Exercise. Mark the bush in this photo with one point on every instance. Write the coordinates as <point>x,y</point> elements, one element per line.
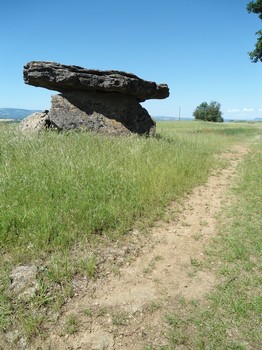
<point>209,112</point>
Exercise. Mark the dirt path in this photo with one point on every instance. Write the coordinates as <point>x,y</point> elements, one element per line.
<point>126,309</point>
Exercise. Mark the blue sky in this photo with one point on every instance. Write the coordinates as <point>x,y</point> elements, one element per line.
<point>199,48</point>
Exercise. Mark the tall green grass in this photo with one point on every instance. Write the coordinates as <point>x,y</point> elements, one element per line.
<point>58,190</point>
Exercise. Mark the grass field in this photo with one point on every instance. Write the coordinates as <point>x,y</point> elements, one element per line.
<point>62,190</point>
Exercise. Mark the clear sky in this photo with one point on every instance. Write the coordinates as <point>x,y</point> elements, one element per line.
<point>199,48</point>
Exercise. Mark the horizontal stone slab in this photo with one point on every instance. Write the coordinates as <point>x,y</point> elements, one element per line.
<point>65,78</point>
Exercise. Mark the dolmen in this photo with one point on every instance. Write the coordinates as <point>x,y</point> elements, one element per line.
<point>106,102</point>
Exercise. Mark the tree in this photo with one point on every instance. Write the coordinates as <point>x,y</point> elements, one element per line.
<point>209,112</point>
<point>256,7</point>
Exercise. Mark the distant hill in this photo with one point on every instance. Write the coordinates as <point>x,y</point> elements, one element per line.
<point>15,113</point>
<point>18,113</point>
<point>159,118</point>
<point>164,118</point>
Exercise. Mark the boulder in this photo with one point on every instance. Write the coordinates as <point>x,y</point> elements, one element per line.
<point>24,282</point>
<point>37,122</point>
<point>100,112</point>
<point>96,340</point>
<point>100,101</point>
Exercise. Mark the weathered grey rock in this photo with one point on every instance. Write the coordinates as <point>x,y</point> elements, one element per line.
<point>107,113</point>
<point>37,122</point>
<point>64,78</point>
<point>100,101</point>
<point>24,283</point>
<point>98,340</point>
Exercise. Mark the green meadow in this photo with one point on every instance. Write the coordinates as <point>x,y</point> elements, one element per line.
<point>62,190</point>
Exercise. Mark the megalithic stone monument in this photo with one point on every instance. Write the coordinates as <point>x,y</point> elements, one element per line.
<point>101,101</point>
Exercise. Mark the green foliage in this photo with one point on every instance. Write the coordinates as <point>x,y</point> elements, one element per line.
<point>256,55</point>
<point>71,324</point>
<point>209,112</point>
<point>256,7</point>
<point>87,266</point>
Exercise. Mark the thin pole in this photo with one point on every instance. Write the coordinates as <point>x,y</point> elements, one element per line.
<point>179,113</point>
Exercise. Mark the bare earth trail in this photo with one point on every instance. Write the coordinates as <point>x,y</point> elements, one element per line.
<point>126,310</point>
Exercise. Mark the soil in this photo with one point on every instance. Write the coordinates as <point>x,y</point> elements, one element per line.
<point>143,278</point>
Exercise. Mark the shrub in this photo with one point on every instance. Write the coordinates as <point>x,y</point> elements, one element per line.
<point>209,112</point>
